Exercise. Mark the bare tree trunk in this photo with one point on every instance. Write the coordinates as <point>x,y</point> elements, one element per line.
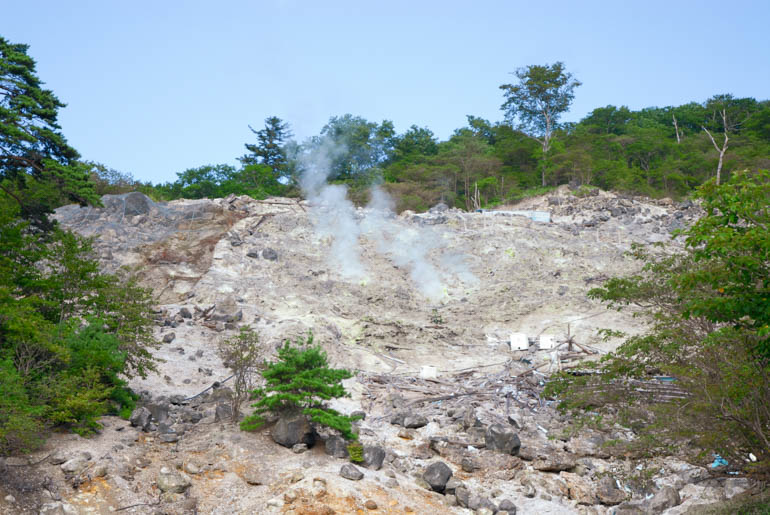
<point>721,150</point>
<point>676,129</point>
<point>546,145</point>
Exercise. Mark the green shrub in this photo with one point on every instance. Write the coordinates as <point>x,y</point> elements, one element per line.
<point>710,331</point>
<point>356,452</point>
<point>301,381</point>
<point>69,335</point>
<point>244,355</point>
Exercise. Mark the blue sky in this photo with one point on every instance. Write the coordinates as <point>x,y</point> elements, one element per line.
<point>156,87</point>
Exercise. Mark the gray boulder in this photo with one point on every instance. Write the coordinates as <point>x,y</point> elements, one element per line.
<point>169,337</point>
<point>269,254</point>
<point>350,471</point>
<point>507,505</point>
<point>415,421</point>
<point>223,412</point>
<point>398,418</point>
<point>141,418</point>
<point>336,446</point>
<point>452,485</point>
<point>463,496</point>
<point>169,480</point>
<point>374,455</point>
<point>137,204</point>
<point>159,410</point>
<point>502,439</point>
<point>436,475</point>
<point>293,429</point>
<point>76,465</point>
<point>479,503</point>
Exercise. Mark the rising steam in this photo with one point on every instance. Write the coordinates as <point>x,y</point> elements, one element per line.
<point>336,218</point>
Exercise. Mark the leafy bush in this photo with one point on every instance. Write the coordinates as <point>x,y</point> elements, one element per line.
<point>244,355</point>
<point>301,381</point>
<point>69,335</point>
<point>709,307</point>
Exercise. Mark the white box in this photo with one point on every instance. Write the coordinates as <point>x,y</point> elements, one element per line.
<point>547,341</point>
<point>428,372</point>
<point>519,341</point>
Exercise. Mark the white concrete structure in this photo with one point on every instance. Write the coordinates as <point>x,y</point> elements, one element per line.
<point>547,342</point>
<point>428,372</point>
<point>519,341</point>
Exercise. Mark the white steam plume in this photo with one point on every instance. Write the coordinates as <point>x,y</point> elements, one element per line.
<point>332,213</point>
<point>406,245</point>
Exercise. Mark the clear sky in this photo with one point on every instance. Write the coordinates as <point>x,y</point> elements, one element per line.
<point>155,87</point>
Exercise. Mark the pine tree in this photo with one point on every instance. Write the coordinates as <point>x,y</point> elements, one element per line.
<point>269,150</point>
<point>301,381</point>
<point>38,169</point>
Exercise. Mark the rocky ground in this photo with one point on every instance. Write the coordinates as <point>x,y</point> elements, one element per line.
<point>455,421</point>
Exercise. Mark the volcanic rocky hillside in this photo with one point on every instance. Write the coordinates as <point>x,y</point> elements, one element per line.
<point>454,418</point>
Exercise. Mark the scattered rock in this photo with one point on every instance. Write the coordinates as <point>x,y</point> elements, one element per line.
<point>299,448</point>
<point>470,419</point>
<point>57,508</point>
<point>415,421</point>
<point>75,465</point>
<point>507,505</point>
<point>171,481</point>
<point>169,337</point>
<point>370,505</point>
<point>580,488</point>
<point>398,418</point>
<point>269,254</point>
<point>503,439</point>
<point>350,471</point>
<point>251,476</point>
<point>468,464</point>
<point>293,429</point>
<point>223,412</point>
<point>436,475</point>
<point>406,434</point>
<point>141,418</point>
<point>452,485</point>
<point>192,467</point>
<point>373,455</point>
<point>608,492</point>
<point>555,462</point>
<point>463,496</point>
<point>667,497</point>
<point>159,410</point>
<point>336,446</point>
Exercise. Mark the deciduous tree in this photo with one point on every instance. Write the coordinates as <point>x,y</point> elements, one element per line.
<point>537,101</point>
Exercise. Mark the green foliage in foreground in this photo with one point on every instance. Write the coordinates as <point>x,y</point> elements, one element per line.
<point>38,168</point>
<point>710,312</point>
<point>69,335</point>
<point>301,381</point>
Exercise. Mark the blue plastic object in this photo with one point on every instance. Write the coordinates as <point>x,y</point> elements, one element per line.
<point>719,461</point>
